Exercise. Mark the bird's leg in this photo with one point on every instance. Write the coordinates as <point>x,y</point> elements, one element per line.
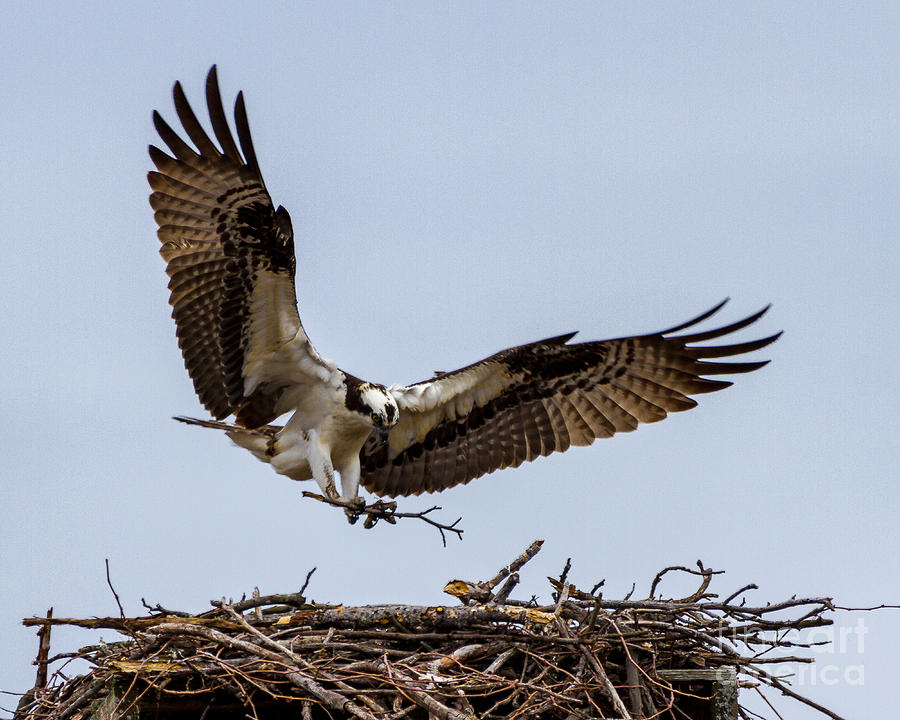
<point>320,464</point>
<point>350,491</point>
<point>350,481</point>
<point>295,445</point>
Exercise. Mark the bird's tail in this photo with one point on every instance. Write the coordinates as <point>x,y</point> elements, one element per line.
<point>265,430</point>
<point>214,424</point>
<point>256,441</point>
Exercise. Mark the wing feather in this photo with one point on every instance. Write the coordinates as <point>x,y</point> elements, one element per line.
<point>595,421</point>
<point>642,410</point>
<point>619,418</point>
<point>580,431</point>
<point>560,432</point>
<point>192,125</point>
<point>604,427</point>
<point>540,398</point>
<point>230,259</point>
<point>196,206</point>
<point>219,121</point>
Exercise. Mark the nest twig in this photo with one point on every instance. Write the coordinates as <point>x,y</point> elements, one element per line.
<point>582,656</point>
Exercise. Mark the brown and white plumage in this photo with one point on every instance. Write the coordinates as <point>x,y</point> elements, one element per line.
<point>535,399</point>
<point>230,258</point>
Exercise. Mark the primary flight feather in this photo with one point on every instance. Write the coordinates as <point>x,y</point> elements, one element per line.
<point>230,258</point>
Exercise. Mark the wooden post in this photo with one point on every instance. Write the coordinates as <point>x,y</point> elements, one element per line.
<point>723,686</point>
<point>117,705</point>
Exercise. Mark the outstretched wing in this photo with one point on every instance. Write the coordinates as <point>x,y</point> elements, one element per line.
<point>540,398</point>
<point>230,257</point>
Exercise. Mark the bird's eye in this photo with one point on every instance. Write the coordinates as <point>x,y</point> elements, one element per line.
<point>376,418</point>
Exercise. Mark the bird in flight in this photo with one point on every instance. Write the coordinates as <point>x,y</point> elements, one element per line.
<point>230,259</point>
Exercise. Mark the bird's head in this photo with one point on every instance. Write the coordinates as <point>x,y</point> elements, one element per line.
<point>374,403</point>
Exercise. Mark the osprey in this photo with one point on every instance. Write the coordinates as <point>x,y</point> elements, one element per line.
<point>230,257</point>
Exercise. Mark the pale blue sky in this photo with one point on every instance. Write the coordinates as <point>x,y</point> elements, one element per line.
<point>463,177</point>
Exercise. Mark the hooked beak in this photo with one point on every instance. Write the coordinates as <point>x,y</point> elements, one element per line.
<point>383,433</point>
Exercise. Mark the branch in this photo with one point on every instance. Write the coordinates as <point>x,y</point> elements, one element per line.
<point>331,699</point>
<point>705,573</point>
<point>115,594</point>
<point>778,685</point>
<point>292,600</point>
<point>482,591</point>
<point>597,669</point>
<point>43,653</point>
<point>387,511</point>
<point>422,699</point>
<point>867,609</point>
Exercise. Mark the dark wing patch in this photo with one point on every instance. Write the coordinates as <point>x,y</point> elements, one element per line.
<point>536,399</point>
<point>219,232</point>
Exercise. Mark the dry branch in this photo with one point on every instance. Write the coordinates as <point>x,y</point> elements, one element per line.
<point>387,511</point>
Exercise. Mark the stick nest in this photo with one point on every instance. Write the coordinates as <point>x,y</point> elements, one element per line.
<point>582,656</point>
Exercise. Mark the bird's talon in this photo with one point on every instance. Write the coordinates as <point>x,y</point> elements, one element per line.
<point>353,508</point>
